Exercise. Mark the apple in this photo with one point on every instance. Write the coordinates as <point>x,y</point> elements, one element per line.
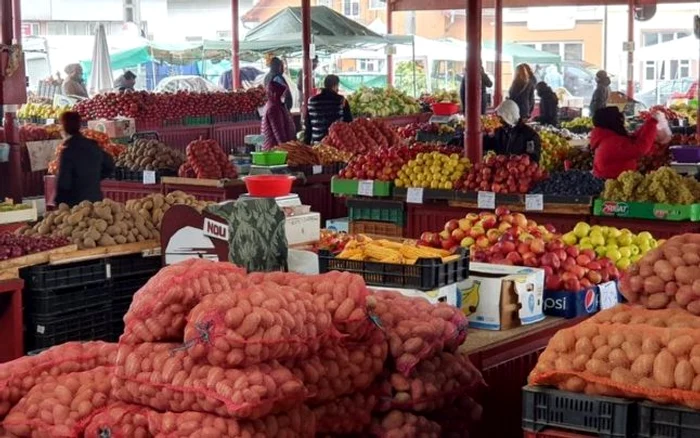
<point>506,237</point>
<point>500,211</point>
<point>573,251</point>
<point>583,260</point>
<point>444,235</point>
<point>594,266</point>
<point>561,254</point>
<point>451,225</point>
<point>483,242</point>
<point>507,218</point>
<point>473,217</point>
<point>464,224</point>
<point>427,237</point>
<point>547,270</point>
<point>489,221</point>
<point>590,253</point>
<point>448,244</point>
<point>550,259</point>
<point>537,246</point>
<point>504,226</point>
<point>594,277</point>
<point>556,244</point>
<point>523,248</point>
<point>515,258</point>
<point>476,231</point>
<point>572,285</point>
<point>579,271</point>
<point>507,246</point>
<point>586,283</point>
<point>553,282</point>
<point>530,259</point>
<point>467,242</point>
<point>520,220</point>
<point>532,224</point>
<point>568,264</point>
<point>493,235</point>
<point>458,234</point>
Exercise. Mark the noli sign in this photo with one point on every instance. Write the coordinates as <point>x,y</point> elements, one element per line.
<point>217,230</point>
<point>611,208</point>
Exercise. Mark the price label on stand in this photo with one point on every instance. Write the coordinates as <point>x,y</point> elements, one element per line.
<point>149,176</point>
<point>486,200</point>
<point>608,295</point>
<point>50,121</point>
<point>414,195</point>
<point>534,202</point>
<point>317,170</point>
<point>365,187</point>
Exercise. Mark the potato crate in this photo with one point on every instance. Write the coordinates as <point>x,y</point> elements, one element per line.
<point>65,300</point>
<point>425,274</point>
<point>383,229</point>
<point>662,421</point>
<point>90,324</point>
<point>44,277</point>
<point>607,417</point>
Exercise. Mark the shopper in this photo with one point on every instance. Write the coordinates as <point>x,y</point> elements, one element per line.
<point>514,137</point>
<point>522,91</point>
<point>615,149</point>
<point>74,85</point>
<point>549,105</point>
<point>553,78</point>
<point>324,109</point>
<point>485,84</point>
<point>125,82</point>
<point>602,92</point>
<point>277,123</point>
<point>83,164</point>
<point>276,74</point>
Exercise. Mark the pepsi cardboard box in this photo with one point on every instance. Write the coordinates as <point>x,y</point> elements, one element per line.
<point>447,294</point>
<point>569,305</point>
<point>500,297</point>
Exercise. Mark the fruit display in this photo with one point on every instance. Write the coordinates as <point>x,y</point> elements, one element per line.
<point>489,123</point>
<point>660,186</point>
<point>667,276</point>
<point>41,111</point>
<point>150,155</point>
<point>687,111</point>
<point>207,160</point>
<point>156,107</point>
<point>12,245</point>
<point>621,246</point>
<point>102,140</point>
<point>381,164</point>
<point>554,149</point>
<point>669,113</point>
<point>502,174</point>
<point>410,131</point>
<point>89,225</point>
<point>361,135</point>
<point>8,205</point>
<point>30,132</point>
<point>579,159</point>
<point>333,241</point>
<point>154,206</point>
<point>382,102</point>
<point>440,96</point>
<point>330,155</point>
<point>385,251</point>
<point>659,156</point>
<point>570,183</point>
<point>433,170</point>
<point>579,125</point>
<point>685,140</point>
<point>299,154</point>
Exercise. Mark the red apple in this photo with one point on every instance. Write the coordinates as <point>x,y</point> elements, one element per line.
<point>573,251</point>
<point>507,218</point>
<point>595,277</point>
<point>586,283</point>
<point>572,285</point>
<point>523,248</point>
<point>553,282</point>
<point>507,246</point>
<point>551,259</point>
<point>483,242</point>
<point>579,271</point>
<point>500,211</point>
<point>520,220</point>
<point>493,235</point>
<point>465,224</point>
<point>590,253</point>
<point>427,237</point>
<point>537,246</point>
<point>568,264</point>
<point>504,226</point>
<point>583,260</point>
<point>515,258</point>
<point>547,270</point>
<point>561,254</point>
<point>488,221</point>
<point>530,259</point>
<point>594,266</point>
<point>451,225</point>
<point>448,244</point>
<point>458,234</point>
<point>556,244</point>
<point>476,232</point>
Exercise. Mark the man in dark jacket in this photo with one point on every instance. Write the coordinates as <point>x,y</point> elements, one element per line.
<point>549,105</point>
<point>485,83</point>
<point>325,108</point>
<point>515,137</point>
<point>602,92</point>
<point>83,164</point>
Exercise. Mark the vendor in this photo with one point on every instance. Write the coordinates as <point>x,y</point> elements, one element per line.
<point>325,109</point>
<point>277,124</point>
<point>615,149</point>
<point>83,165</point>
<point>125,82</point>
<point>549,105</point>
<point>74,85</point>
<point>514,137</point>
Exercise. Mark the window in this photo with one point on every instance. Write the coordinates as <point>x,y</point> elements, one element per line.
<point>667,36</point>
<point>326,3</point>
<point>223,34</point>
<point>567,51</point>
<point>370,65</point>
<point>650,70</point>
<point>532,46</point>
<point>56,28</point>
<point>377,4</point>
<point>652,38</point>
<point>573,52</point>
<point>76,28</point>
<point>551,48</point>
<point>351,8</point>
<point>684,68</point>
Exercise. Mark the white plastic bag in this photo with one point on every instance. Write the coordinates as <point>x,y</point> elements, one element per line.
<point>663,131</point>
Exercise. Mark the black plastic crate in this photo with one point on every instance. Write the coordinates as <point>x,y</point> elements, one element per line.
<point>605,416</point>
<point>119,309</point>
<point>127,287</point>
<point>425,275</point>
<point>662,421</point>
<point>55,301</point>
<point>64,276</point>
<point>133,265</point>
<point>90,324</point>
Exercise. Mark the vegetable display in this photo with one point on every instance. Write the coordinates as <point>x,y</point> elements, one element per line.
<point>570,183</point>
<point>663,185</point>
<point>154,206</point>
<point>39,132</point>
<point>150,155</point>
<point>385,251</point>
<point>207,160</point>
<point>433,170</point>
<point>579,125</point>
<point>330,155</point>
<point>361,136</point>
<point>299,154</point>
<point>382,102</point>
<point>12,245</point>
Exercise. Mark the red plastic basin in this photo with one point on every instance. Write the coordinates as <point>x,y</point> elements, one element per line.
<point>269,186</point>
<point>444,108</point>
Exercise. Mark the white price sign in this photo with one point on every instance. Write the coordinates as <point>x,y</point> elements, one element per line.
<point>365,187</point>
<point>486,200</point>
<point>149,176</point>
<point>317,170</point>
<point>414,195</point>
<point>534,202</point>
<point>608,295</point>
<point>50,121</point>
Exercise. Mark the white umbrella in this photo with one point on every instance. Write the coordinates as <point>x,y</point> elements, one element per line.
<point>101,76</point>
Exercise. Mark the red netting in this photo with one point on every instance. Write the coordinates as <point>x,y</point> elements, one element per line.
<point>457,418</point>
<point>397,424</point>
<point>119,420</point>
<point>350,414</point>
<point>626,314</point>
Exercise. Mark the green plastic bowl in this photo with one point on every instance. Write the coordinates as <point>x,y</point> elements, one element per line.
<point>274,158</point>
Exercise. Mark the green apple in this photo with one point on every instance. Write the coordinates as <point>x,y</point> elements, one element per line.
<point>601,250</point>
<point>623,263</point>
<point>582,229</point>
<point>625,252</point>
<point>570,238</point>
<point>624,239</point>
<point>613,254</point>
<point>635,250</point>
<point>597,239</point>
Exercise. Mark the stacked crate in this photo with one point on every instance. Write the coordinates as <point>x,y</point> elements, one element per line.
<point>376,218</point>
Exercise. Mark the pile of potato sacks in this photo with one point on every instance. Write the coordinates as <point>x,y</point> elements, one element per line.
<point>647,351</point>
<point>210,351</point>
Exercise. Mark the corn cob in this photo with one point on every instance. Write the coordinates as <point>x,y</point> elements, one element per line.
<point>379,252</point>
<point>413,252</point>
<point>389,244</point>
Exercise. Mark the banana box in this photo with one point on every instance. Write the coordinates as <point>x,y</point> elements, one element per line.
<point>118,128</point>
<point>447,294</point>
<point>500,297</point>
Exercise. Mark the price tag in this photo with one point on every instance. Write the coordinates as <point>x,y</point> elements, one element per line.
<point>149,176</point>
<point>608,295</point>
<point>534,202</point>
<point>486,200</point>
<point>108,271</point>
<point>317,170</point>
<point>50,121</point>
<point>40,329</point>
<point>365,187</point>
<point>414,195</point>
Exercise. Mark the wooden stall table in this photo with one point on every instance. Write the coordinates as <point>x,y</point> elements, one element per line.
<point>505,359</point>
<point>11,324</point>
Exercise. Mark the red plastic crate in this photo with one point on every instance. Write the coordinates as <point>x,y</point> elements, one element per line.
<point>178,138</point>
<point>555,433</point>
<point>122,191</point>
<point>11,323</point>
<point>232,136</point>
<point>216,194</point>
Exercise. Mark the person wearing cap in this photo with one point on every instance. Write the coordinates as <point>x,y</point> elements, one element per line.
<point>514,137</point>
<point>74,85</point>
<point>125,82</point>
<point>602,92</point>
<point>615,150</point>
<point>325,108</point>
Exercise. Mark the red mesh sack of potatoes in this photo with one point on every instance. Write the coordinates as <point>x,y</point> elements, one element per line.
<point>256,324</point>
<point>19,376</point>
<point>417,329</point>
<point>345,415</point>
<point>118,420</point>
<point>667,276</point>
<point>625,314</point>
<point>165,377</point>
<point>60,407</point>
<point>298,422</point>
<point>458,418</point>
<point>202,158</point>
<point>435,382</point>
<point>633,361</point>
<point>159,308</point>
<point>398,424</point>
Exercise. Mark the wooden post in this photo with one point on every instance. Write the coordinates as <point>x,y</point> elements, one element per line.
<point>235,38</point>
<point>306,51</point>
<point>472,136</point>
<point>498,71</point>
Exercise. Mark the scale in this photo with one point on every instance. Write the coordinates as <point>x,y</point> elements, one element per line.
<point>689,169</point>
<point>253,142</point>
<point>442,120</point>
<point>281,169</point>
<point>290,200</point>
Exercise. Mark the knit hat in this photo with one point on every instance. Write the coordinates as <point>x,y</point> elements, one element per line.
<point>509,112</point>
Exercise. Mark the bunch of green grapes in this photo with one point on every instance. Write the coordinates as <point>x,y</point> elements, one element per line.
<point>661,186</point>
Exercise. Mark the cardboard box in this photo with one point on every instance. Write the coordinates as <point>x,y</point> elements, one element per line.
<point>341,225</point>
<point>566,304</point>
<point>447,294</point>
<point>305,228</point>
<point>500,297</point>
<point>117,128</point>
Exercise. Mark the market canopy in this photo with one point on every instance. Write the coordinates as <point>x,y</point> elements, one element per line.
<point>520,53</point>
<point>681,48</point>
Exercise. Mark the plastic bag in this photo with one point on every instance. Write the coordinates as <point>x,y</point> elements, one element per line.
<point>397,424</point>
<point>21,375</point>
<point>350,414</point>
<point>663,131</point>
<point>159,309</point>
<point>255,325</point>
<point>164,377</point>
<point>119,420</point>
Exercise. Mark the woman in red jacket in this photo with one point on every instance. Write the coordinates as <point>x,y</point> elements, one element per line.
<point>615,149</point>
<point>277,124</point>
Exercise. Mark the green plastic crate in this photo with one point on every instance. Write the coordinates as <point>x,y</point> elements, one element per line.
<point>377,214</point>
<point>273,158</point>
<point>196,121</point>
<point>351,187</point>
<point>647,210</point>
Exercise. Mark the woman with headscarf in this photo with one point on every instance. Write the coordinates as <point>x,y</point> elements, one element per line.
<point>602,92</point>
<point>522,91</point>
<point>514,137</point>
<point>615,149</point>
<point>549,105</point>
<point>74,85</point>
<point>276,74</point>
<point>277,124</point>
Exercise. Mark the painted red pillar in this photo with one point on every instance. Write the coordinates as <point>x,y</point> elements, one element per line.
<point>306,50</point>
<point>235,59</point>
<point>389,58</point>
<point>7,24</point>
<point>17,19</point>
<point>630,53</point>
<point>498,71</point>
<point>472,135</point>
